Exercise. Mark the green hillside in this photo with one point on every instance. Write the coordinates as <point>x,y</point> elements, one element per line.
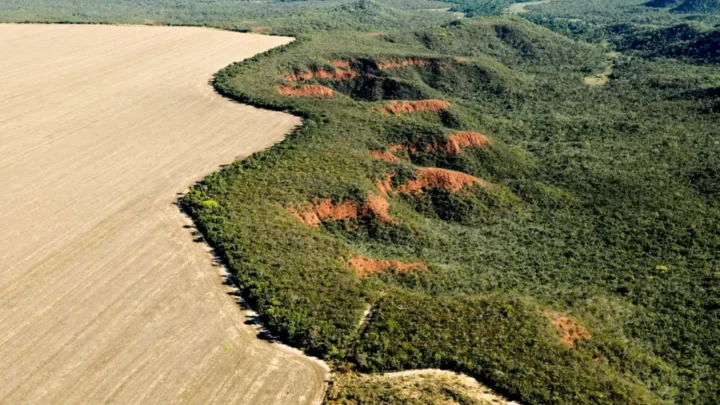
<point>584,209</point>
<point>698,6</point>
<point>662,3</point>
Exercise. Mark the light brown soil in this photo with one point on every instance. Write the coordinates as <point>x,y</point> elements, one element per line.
<point>408,107</point>
<point>384,155</point>
<point>569,330</point>
<point>457,142</point>
<point>337,74</point>
<point>296,77</point>
<point>309,218</point>
<point>454,145</point>
<point>603,77</point>
<point>339,63</point>
<point>327,211</point>
<point>440,178</point>
<point>365,267</point>
<point>403,63</point>
<point>385,185</point>
<point>307,91</point>
<point>104,296</point>
<point>374,34</point>
<point>377,206</point>
<point>260,28</point>
<point>522,8</point>
<point>324,210</point>
<point>428,386</point>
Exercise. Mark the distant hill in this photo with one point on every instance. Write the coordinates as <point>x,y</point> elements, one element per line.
<point>698,6</point>
<point>662,3</point>
<point>683,41</point>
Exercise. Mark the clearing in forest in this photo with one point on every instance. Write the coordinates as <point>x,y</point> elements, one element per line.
<point>522,7</point>
<point>104,295</point>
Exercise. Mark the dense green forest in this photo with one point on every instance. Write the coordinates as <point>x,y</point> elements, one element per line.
<point>555,237</point>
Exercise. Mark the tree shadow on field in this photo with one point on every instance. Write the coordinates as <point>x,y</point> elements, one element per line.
<point>228,279</point>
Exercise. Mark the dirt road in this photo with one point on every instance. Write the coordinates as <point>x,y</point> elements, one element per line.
<point>104,296</point>
<point>522,8</point>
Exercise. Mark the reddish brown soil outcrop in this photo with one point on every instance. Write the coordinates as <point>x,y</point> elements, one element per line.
<point>385,185</point>
<point>260,28</point>
<point>403,63</point>
<point>309,218</point>
<point>407,107</point>
<point>327,211</point>
<point>454,144</point>
<point>308,90</point>
<point>365,267</point>
<point>296,77</point>
<point>324,210</point>
<point>461,140</point>
<point>337,74</point>
<point>384,155</point>
<point>377,206</point>
<point>440,178</point>
<point>569,329</point>
<point>339,63</point>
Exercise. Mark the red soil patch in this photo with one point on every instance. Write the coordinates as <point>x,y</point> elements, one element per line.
<point>339,63</point>
<point>365,267</point>
<point>460,140</point>
<point>296,77</point>
<point>384,185</point>
<point>325,210</point>
<point>379,207</point>
<point>569,329</point>
<point>405,107</point>
<point>384,155</point>
<point>309,218</point>
<point>149,22</point>
<point>308,90</point>
<point>404,63</point>
<point>454,144</point>
<point>440,178</point>
<point>260,28</point>
<point>338,74</point>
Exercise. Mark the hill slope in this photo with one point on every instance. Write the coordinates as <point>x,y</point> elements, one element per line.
<point>500,217</point>
<point>698,6</point>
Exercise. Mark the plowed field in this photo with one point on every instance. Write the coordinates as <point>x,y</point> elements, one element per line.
<point>104,295</point>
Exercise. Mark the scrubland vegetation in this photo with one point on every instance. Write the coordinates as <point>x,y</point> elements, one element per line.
<point>595,203</point>
<point>569,257</point>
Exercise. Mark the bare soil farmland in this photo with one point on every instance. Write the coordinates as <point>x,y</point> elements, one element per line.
<point>104,295</point>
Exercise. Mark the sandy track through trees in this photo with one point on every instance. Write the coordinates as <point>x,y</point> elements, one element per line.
<point>104,297</point>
